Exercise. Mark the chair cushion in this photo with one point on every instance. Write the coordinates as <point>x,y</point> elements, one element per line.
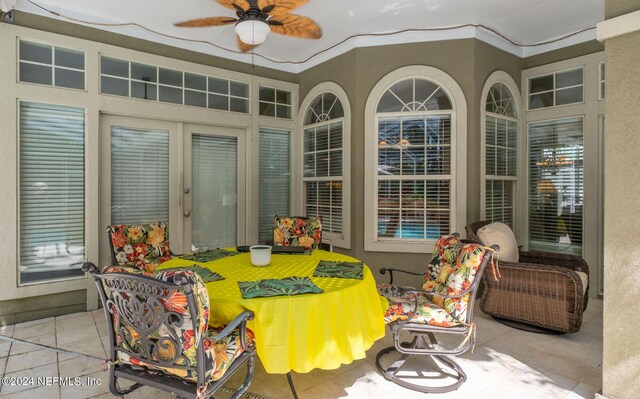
<point>443,261</point>
<point>401,307</point>
<point>501,234</point>
<point>144,246</point>
<point>291,231</point>
<point>467,265</point>
<point>218,355</point>
<point>584,278</point>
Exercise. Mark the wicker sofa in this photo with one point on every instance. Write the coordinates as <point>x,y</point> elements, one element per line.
<point>542,292</point>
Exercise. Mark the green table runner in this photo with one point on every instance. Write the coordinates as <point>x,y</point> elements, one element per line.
<point>208,256</point>
<point>207,275</point>
<point>276,287</point>
<point>327,268</point>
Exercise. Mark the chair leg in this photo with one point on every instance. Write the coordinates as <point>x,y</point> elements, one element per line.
<point>391,372</point>
<point>115,389</point>
<point>247,380</point>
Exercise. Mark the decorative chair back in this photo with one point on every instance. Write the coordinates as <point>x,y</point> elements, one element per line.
<point>157,322</point>
<point>144,246</point>
<point>454,268</point>
<point>297,231</point>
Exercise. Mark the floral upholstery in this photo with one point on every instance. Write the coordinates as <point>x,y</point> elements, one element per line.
<point>218,354</point>
<point>144,246</point>
<point>401,307</point>
<point>443,261</point>
<point>297,231</point>
<point>457,266</point>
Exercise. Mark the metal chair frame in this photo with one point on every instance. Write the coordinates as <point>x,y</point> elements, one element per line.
<point>137,300</point>
<point>424,342</point>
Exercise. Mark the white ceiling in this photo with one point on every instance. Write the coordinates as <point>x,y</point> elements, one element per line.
<point>523,21</point>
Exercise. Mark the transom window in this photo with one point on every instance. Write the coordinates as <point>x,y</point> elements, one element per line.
<point>51,65</point>
<point>149,82</point>
<point>559,88</point>
<point>324,107</point>
<point>501,150</point>
<point>414,161</point>
<point>275,102</point>
<point>323,161</point>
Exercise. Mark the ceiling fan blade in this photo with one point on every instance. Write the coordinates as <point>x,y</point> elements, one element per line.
<point>244,47</point>
<point>295,26</point>
<point>280,7</point>
<point>234,4</point>
<point>203,22</point>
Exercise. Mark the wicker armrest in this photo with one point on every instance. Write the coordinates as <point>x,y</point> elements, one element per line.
<point>570,262</point>
<point>384,270</point>
<point>540,280</point>
<point>542,295</point>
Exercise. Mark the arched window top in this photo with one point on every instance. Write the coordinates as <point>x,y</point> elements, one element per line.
<point>500,101</point>
<point>415,94</point>
<point>324,107</point>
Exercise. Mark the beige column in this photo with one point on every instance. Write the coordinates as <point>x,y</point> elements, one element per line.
<point>621,347</point>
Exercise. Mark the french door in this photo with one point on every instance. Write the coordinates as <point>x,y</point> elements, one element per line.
<point>214,187</point>
<point>191,176</point>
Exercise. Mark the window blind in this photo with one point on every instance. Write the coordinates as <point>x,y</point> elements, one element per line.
<point>556,176</point>
<point>214,207</point>
<point>139,175</point>
<point>323,174</point>
<point>414,177</point>
<point>501,150</point>
<point>275,179</point>
<point>51,192</point>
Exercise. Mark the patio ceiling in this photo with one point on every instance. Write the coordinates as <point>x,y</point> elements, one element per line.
<point>523,21</point>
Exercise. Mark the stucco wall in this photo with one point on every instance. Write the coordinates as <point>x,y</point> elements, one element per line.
<point>621,361</point>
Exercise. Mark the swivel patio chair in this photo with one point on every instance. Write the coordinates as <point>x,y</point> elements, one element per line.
<point>542,292</point>
<point>143,246</point>
<point>159,334</point>
<point>297,231</point>
<point>444,305</point>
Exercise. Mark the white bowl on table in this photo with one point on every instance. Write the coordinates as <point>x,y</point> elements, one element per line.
<point>260,255</point>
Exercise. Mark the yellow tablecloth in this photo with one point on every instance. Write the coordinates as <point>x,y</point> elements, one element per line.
<point>299,332</point>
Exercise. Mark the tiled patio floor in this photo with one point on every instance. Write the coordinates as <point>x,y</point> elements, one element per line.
<point>506,363</point>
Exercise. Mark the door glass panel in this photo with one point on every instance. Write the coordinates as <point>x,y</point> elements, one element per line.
<point>139,175</point>
<point>52,197</point>
<point>274,179</point>
<point>556,176</point>
<point>214,207</point>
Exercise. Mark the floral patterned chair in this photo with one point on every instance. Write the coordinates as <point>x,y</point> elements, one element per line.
<point>297,231</point>
<point>143,246</point>
<point>444,305</point>
<point>160,335</point>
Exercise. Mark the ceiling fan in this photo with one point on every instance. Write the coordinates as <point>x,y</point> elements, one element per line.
<point>256,18</point>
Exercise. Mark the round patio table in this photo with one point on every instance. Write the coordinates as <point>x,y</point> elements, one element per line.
<point>298,332</point>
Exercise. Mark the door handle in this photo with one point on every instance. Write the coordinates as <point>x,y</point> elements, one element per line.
<point>187,190</point>
<point>187,213</point>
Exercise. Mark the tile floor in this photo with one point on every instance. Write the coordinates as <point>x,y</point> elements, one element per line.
<point>506,363</point>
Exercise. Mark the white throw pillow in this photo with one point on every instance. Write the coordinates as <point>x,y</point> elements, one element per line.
<point>501,234</point>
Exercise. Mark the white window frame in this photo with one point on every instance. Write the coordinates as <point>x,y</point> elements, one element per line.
<point>458,187</point>
<point>591,109</point>
<point>505,79</point>
<point>555,89</point>
<point>338,240</point>
<point>53,65</point>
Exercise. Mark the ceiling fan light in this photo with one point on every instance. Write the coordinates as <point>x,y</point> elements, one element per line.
<point>252,31</point>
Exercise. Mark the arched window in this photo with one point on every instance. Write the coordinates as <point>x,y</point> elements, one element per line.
<point>325,176</point>
<point>500,142</point>
<point>412,177</point>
